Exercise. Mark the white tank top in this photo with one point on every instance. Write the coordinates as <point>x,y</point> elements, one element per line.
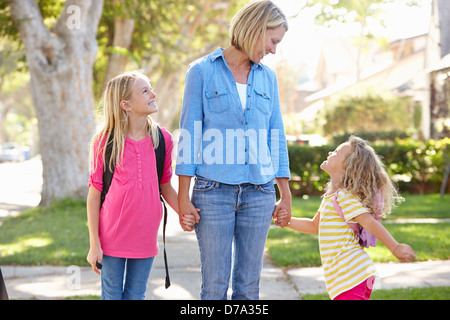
<point>242,90</point>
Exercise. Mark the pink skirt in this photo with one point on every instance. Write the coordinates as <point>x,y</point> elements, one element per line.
<point>361,292</point>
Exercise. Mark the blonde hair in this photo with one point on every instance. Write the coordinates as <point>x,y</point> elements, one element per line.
<point>252,21</point>
<point>115,118</point>
<point>365,175</point>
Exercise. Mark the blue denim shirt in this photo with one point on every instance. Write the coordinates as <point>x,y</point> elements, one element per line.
<point>221,141</point>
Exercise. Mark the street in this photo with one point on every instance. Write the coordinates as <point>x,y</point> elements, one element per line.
<point>20,186</point>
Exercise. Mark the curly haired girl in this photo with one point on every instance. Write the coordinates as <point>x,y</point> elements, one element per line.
<point>357,175</point>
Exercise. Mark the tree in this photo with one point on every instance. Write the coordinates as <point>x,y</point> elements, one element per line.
<point>365,13</point>
<point>60,61</point>
<point>162,37</point>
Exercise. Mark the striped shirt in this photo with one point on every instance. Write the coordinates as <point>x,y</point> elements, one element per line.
<point>344,261</point>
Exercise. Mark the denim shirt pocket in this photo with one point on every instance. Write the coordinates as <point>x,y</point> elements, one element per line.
<point>218,100</point>
<point>262,101</point>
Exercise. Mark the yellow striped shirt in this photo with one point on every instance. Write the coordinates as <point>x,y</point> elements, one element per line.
<point>344,261</point>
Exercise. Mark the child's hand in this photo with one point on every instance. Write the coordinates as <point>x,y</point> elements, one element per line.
<point>404,253</point>
<point>95,254</point>
<point>187,221</point>
<point>282,217</point>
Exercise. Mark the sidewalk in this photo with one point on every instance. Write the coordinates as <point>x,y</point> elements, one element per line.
<point>53,282</point>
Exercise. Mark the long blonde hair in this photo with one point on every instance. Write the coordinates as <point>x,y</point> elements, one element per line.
<point>365,175</point>
<point>252,21</point>
<point>116,119</point>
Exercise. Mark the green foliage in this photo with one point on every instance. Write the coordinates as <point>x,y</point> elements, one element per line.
<point>426,293</point>
<point>415,165</point>
<point>304,163</point>
<point>430,241</point>
<point>369,112</point>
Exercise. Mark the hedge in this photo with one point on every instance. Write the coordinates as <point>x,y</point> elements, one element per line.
<point>416,166</point>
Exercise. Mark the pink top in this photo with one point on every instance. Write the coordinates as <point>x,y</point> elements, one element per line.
<point>132,211</point>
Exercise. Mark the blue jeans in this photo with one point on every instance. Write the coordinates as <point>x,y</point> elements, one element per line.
<point>136,273</point>
<point>232,215</point>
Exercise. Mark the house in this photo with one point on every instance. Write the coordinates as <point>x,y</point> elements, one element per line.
<point>399,69</point>
<point>417,67</point>
<point>435,114</point>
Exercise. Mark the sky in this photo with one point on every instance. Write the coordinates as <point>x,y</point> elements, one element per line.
<point>302,43</point>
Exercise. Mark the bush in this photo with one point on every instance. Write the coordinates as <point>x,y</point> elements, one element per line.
<point>416,166</point>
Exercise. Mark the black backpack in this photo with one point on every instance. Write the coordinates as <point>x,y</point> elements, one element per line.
<point>160,153</point>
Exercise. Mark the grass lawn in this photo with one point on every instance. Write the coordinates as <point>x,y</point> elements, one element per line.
<point>428,293</point>
<point>55,235</point>
<point>430,241</point>
<point>58,235</point>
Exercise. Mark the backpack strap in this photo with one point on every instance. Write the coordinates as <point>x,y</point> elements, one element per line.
<point>107,173</point>
<point>378,206</point>
<point>160,154</point>
<point>338,209</point>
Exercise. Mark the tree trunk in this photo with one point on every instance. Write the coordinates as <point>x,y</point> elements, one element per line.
<point>123,34</point>
<point>61,65</point>
<point>168,88</point>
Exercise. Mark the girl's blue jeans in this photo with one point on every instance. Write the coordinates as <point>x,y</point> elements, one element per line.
<point>234,223</point>
<point>124,279</point>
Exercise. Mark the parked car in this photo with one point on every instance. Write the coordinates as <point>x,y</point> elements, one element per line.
<point>10,151</point>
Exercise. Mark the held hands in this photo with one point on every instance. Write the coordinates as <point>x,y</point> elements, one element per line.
<point>282,213</point>
<point>188,215</point>
<point>283,218</point>
<point>188,221</point>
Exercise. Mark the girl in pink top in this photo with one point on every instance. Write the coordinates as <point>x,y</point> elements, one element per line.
<point>123,232</point>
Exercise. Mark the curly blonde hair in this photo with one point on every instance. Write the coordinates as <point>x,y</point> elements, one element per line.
<point>365,175</point>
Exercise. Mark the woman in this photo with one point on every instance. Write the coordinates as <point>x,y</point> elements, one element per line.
<point>232,140</point>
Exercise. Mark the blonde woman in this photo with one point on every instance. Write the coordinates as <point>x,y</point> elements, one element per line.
<point>123,231</point>
<point>232,141</point>
<point>358,176</point>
